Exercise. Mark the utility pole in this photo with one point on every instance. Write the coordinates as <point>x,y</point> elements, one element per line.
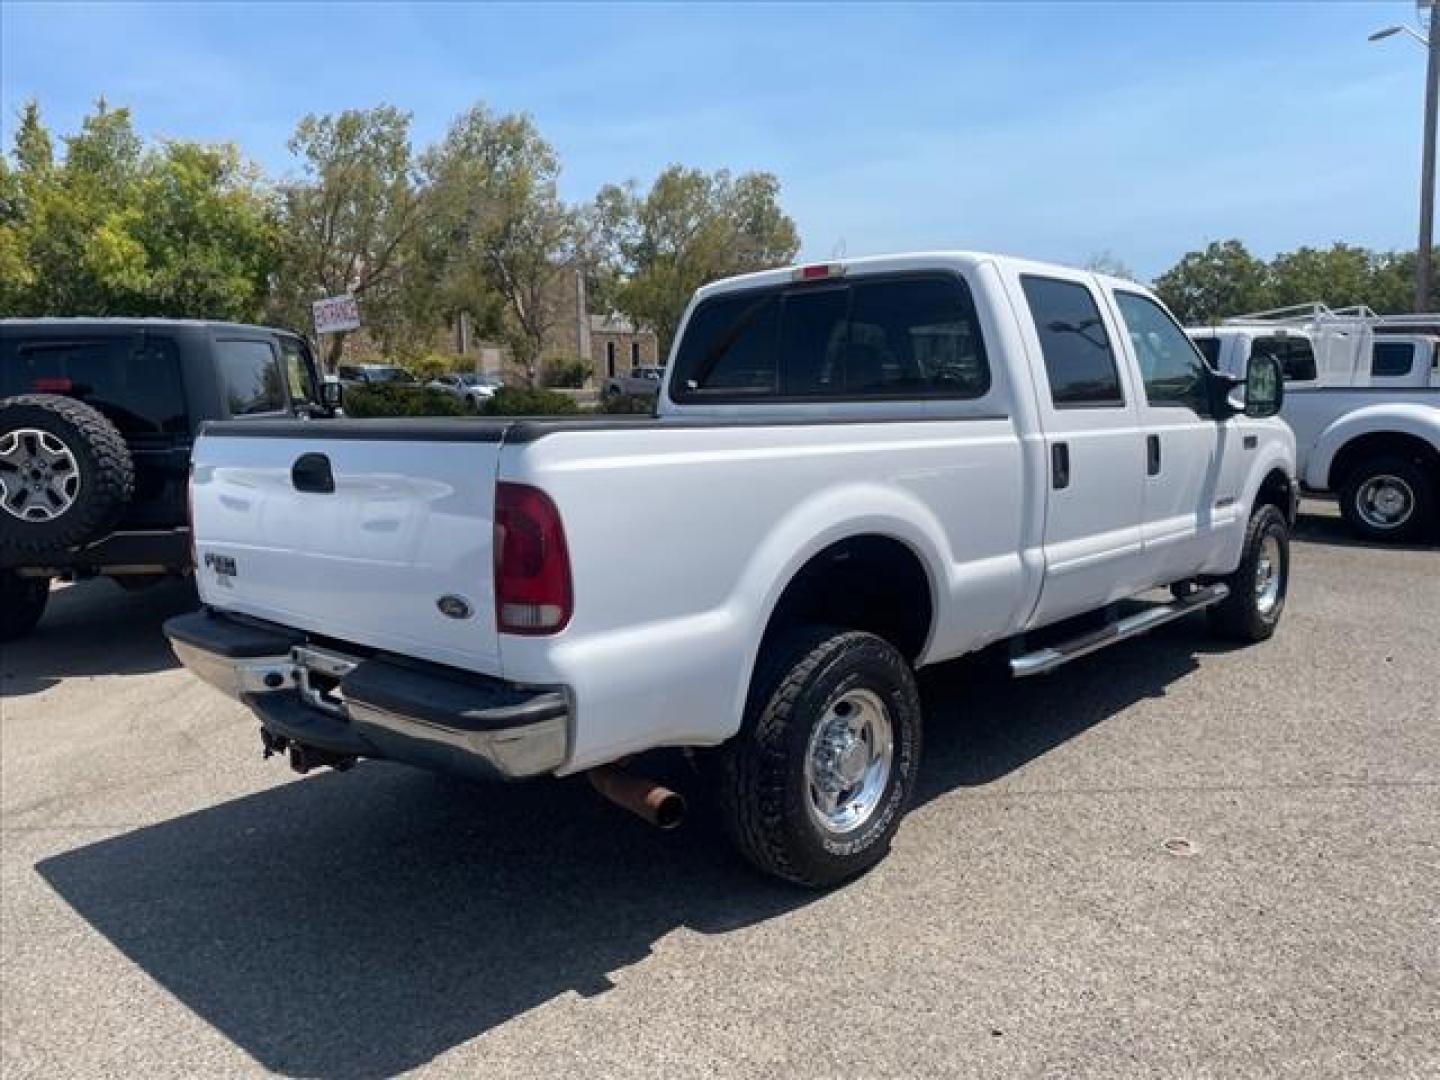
<point>1424,250</point>
<point>1424,253</point>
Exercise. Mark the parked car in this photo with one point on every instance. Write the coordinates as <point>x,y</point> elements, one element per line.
<point>639,382</point>
<point>856,470</point>
<point>97,417</point>
<point>1362,393</point>
<point>376,375</point>
<point>473,386</point>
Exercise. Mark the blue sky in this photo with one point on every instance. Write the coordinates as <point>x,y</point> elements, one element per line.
<point>1054,131</point>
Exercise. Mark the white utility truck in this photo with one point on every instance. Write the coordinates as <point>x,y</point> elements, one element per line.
<point>1362,393</point>
<point>856,469</point>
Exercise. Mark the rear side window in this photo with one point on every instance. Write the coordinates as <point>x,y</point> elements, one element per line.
<point>1079,362</point>
<point>875,338</point>
<point>1296,356</point>
<point>250,376</point>
<point>133,379</point>
<point>1389,359</point>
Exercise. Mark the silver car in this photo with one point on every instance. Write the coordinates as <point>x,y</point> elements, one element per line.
<point>474,387</point>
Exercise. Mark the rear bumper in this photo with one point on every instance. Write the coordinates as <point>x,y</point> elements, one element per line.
<point>136,551</point>
<point>377,706</point>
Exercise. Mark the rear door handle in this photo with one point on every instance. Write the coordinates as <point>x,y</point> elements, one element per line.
<point>1152,455</point>
<point>1060,465</point>
<point>312,473</point>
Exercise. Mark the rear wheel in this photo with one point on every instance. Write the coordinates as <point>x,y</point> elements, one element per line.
<point>813,788</point>
<point>1258,586</point>
<point>22,603</point>
<point>1388,498</point>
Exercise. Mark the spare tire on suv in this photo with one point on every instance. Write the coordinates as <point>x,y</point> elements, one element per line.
<point>65,476</point>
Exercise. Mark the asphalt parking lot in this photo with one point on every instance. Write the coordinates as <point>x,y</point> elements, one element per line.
<point>174,906</point>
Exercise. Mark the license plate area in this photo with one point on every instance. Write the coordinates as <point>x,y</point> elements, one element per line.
<point>317,677</point>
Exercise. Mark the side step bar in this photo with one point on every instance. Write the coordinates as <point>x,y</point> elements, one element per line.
<point>1048,659</point>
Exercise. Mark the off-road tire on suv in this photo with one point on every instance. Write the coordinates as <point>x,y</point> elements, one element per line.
<point>22,602</point>
<point>1258,586</point>
<point>1411,485</point>
<point>804,682</point>
<point>45,428</point>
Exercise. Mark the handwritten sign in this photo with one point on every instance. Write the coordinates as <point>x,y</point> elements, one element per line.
<point>335,314</point>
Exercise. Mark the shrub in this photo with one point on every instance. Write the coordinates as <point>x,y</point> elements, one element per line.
<point>570,372</point>
<point>626,403</point>
<point>520,401</point>
<point>385,400</point>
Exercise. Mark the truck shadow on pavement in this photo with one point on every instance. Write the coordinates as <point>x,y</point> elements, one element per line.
<point>1330,528</point>
<point>361,925</point>
<point>95,628</point>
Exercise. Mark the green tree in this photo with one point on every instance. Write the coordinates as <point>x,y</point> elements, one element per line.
<point>691,227</point>
<point>353,221</point>
<point>1340,276</point>
<point>1223,280</point>
<point>118,229</point>
<point>507,238</point>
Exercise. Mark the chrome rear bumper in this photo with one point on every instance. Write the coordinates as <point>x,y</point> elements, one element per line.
<point>379,706</point>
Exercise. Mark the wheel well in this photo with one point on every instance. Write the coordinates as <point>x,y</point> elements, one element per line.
<point>1382,444</point>
<point>1276,490</point>
<point>871,583</point>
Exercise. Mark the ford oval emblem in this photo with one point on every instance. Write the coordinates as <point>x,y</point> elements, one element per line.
<point>454,607</point>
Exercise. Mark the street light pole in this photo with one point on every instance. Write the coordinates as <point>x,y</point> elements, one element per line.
<point>1424,252</point>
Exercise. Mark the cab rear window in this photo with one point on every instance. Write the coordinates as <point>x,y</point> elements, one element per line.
<point>133,379</point>
<point>873,338</point>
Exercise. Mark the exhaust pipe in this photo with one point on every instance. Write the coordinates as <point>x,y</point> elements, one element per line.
<point>661,807</point>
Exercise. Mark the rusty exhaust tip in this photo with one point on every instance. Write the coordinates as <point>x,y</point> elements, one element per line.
<point>657,804</point>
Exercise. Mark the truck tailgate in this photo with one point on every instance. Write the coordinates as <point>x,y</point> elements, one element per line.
<point>350,530</point>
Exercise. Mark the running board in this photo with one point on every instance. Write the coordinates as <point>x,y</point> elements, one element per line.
<point>1051,657</point>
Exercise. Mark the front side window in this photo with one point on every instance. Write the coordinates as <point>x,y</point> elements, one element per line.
<point>1170,366</point>
<point>1210,349</point>
<point>911,337</point>
<point>1296,356</point>
<point>132,378</point>
<point>1079,362</point>
<point>297,371</point>
<point>250,377</point>
<point>1391,359</point>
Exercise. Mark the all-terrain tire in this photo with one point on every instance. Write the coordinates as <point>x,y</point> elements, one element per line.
<point>1251,613</point>
<point>22,602</point>
<point>764,796</point>
<point>1412,487</point>
<point>103,475</point>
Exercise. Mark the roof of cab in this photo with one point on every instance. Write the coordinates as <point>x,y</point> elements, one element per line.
<point>906,261</point>
<point>101,322</point>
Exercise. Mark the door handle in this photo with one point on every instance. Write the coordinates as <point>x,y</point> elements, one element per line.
<point>1060,465</point>
<point>311,472</point>
<point>1152,455</point>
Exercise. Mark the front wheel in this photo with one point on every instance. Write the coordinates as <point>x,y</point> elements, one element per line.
<point>1387,498</point>
<point>814,786</point>
<point>22,602</point>
<point>1258,586</point>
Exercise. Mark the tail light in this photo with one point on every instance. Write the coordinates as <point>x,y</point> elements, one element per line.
<point>532,563</point>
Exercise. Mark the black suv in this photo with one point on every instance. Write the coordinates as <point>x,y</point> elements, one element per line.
<point>97,417</point>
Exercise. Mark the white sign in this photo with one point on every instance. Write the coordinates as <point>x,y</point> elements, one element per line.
<point>336,314</point>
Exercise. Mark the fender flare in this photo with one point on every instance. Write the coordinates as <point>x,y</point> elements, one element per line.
<point>1383,418</point>
<point>819,523</point>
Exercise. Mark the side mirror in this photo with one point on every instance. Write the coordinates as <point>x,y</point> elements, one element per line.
<point>332,395</point>
<point>1264,387</point>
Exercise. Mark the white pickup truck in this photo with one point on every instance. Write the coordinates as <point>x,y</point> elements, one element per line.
<point>856,469</point>
<point>1362,393</point>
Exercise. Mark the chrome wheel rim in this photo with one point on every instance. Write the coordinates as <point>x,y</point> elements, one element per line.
<point>847,764</point>
<point>39,478</point>
<point>1385,501</point>
<point>1268,575</point>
